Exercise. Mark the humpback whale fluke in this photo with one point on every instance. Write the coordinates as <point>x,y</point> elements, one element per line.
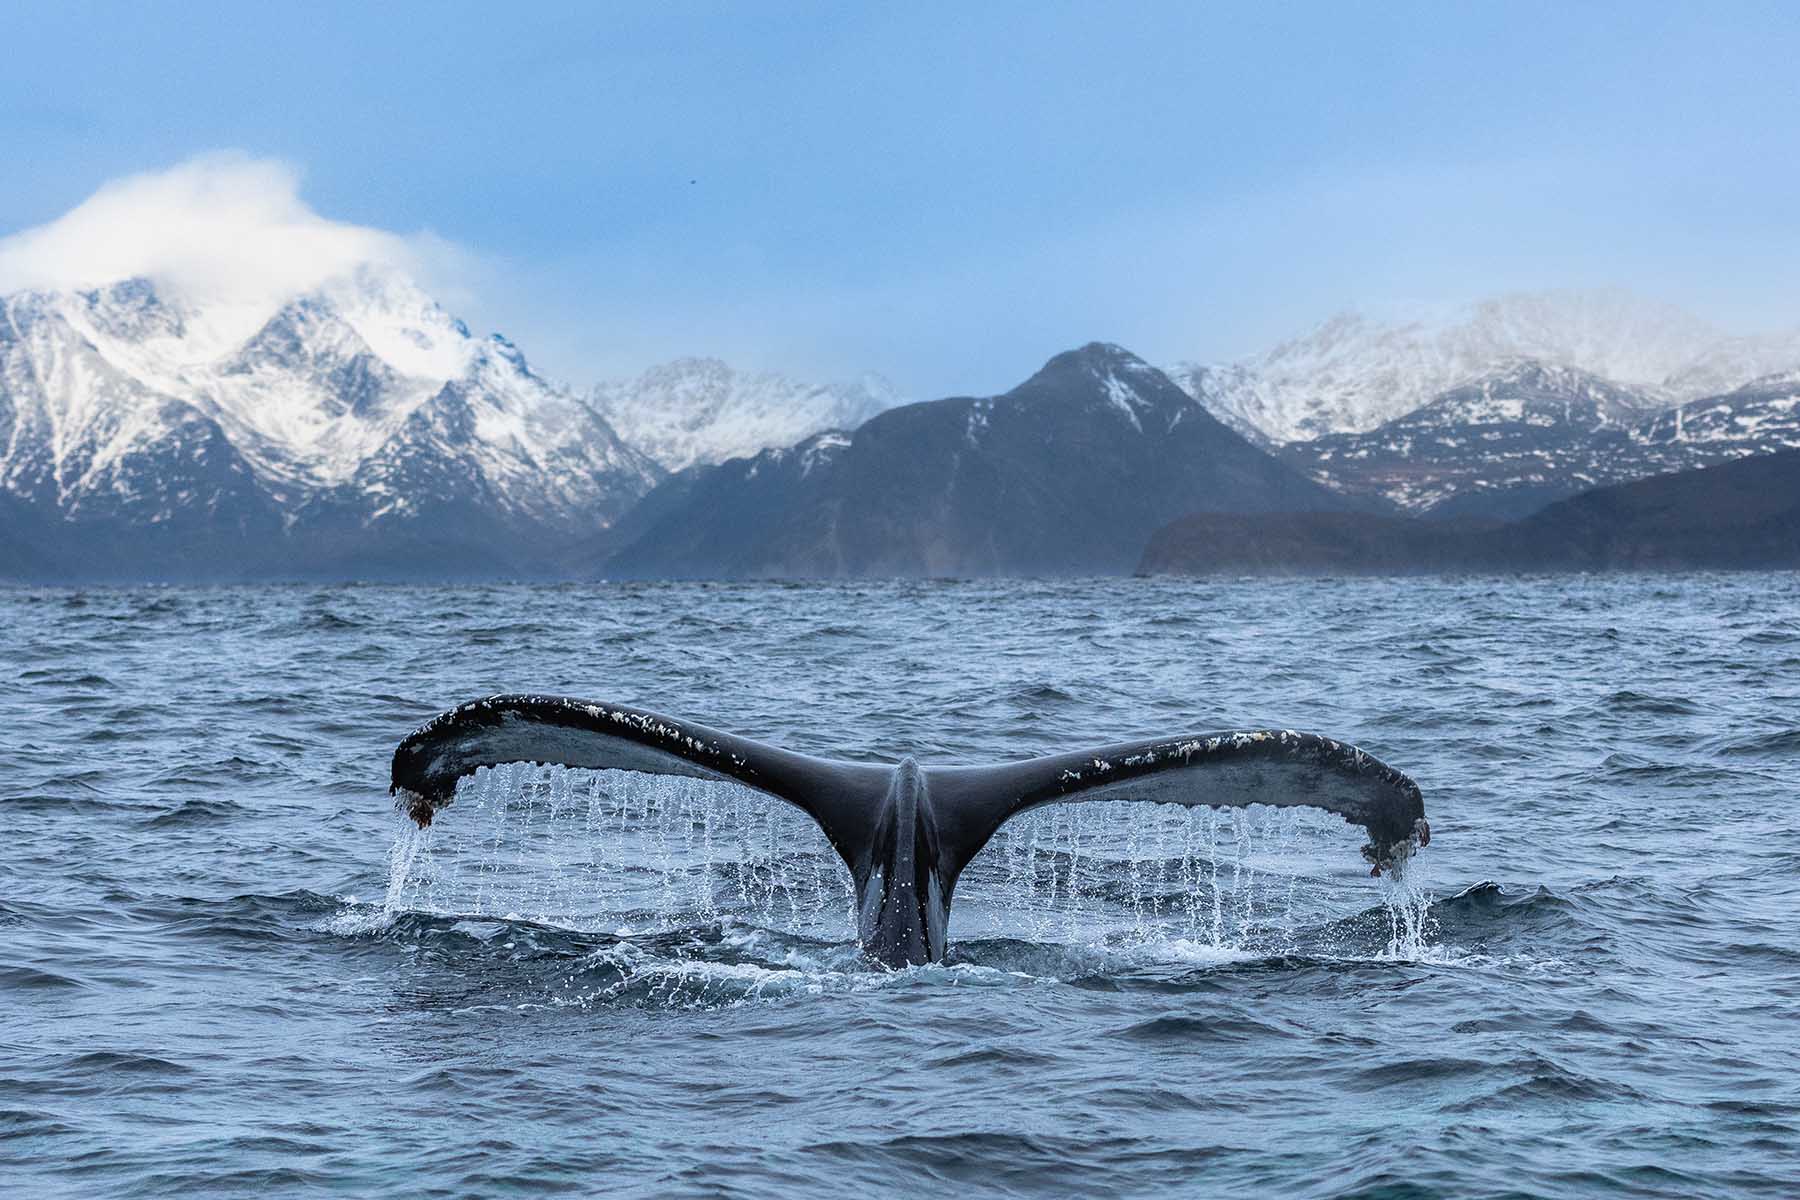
<point>907,831</point>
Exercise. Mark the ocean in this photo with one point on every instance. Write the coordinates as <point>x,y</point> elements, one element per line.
<point>228,967</point>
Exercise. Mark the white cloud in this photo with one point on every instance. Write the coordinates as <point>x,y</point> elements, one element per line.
<point>226,233</point>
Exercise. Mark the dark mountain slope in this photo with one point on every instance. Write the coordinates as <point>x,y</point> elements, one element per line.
<point>1067,473</point>
<point>1740,514</point>
<point>1744,513</point>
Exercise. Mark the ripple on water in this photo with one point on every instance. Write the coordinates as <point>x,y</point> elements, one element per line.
<point>1589,990</point>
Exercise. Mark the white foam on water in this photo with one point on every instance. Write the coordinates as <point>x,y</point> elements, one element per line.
<point>355,919</point>
<point>630,973</point>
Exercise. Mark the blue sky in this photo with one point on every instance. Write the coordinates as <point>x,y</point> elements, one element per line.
<point>949,194</point>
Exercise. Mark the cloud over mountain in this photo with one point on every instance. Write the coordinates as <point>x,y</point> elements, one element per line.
<point>226,234</point>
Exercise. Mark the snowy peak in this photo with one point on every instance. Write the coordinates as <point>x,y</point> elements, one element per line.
<point>1760,417</point>
<point>700,410</point>
<point>308,334</point>
<point>1734,362</point>
<point>1352,374</point>
<point>68,411</point>
<point>1098,358</point>
<point>131,311</point>
<point>1610,333</point>
<point>501,347</point>
<point>1234,394</point>
<point>1531,393</point>
<point>362,398</point>
<point>1102,361</point>
<point>1067,473</point>
<point>1513,441</point>
<point>309,340</point>
<point>1119,383</point>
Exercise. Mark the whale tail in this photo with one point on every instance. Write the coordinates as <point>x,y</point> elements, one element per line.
<point>905,831</point>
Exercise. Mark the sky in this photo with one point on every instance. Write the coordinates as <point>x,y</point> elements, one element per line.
<point>945,194</point>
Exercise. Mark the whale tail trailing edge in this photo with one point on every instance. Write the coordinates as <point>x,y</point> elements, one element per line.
<point>905,831</point>
<point>559,731</point>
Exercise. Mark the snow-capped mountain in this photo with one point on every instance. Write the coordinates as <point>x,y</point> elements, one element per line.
<point>1067,473</point>
<point>1353,374</point>
<point>1762,417</point>
<point>355,414</point>
<point>699,410</point>
<point>1512,441</point>
<point>1735,362</point>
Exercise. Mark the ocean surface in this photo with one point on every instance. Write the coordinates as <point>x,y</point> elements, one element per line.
<point>228,967</point>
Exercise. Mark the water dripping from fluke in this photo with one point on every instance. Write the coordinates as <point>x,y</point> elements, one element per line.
<point>768,904</point>
<point>905,831</point>
<point>621,852</point>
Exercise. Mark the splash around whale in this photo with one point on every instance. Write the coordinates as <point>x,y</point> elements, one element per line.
<point>906,831</point>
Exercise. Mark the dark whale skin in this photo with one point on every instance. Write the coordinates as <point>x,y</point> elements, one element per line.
<point>906,831</point>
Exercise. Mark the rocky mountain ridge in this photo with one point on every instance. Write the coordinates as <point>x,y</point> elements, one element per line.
<point>1066,473</point>
<point>351,417</point>
<point>359,430</point>
<point>701,410</point>
<point>1354,373</point>
<point>1506,444</point>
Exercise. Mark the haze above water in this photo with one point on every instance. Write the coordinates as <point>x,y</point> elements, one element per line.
<point>226,966</point>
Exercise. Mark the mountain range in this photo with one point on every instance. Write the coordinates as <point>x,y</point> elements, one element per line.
<point>1505,444</point>
<point>1353,373</point>
<point>1068,472</point>
<point>1743,514</point>
<point>358,430</point>
<point>701,410</point>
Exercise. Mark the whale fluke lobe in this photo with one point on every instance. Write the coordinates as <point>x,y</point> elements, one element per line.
<point>906,831</point>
